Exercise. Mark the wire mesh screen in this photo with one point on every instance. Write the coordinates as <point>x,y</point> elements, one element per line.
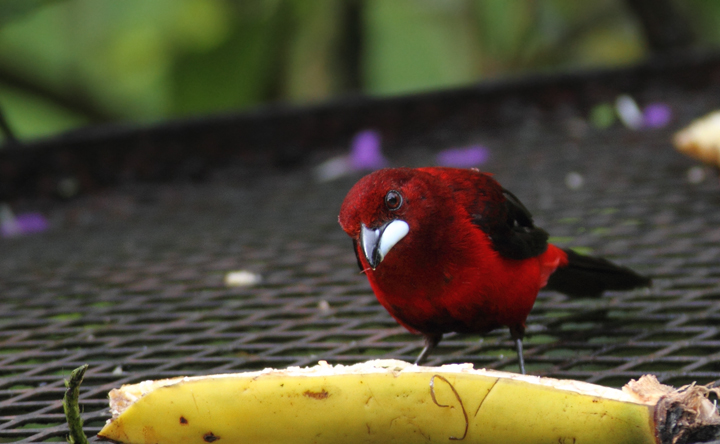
<point>131,280</point>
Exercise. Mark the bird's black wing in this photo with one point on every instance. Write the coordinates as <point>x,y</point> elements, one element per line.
<point>510,227</point>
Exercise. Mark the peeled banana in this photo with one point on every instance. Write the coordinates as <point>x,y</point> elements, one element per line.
<point>389,401</point>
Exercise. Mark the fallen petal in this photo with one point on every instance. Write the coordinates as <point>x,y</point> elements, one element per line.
<point>463,157</point>
<point>366,151</point>
<point>657,115</point>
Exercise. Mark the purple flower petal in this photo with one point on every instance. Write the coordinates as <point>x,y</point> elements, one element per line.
<point>32,222</point>
<point>657,115</point>
<point>463,157</point>
<point>366,151</point>
<point>26,223</point>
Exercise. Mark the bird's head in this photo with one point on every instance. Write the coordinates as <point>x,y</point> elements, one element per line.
<point>386,208</point>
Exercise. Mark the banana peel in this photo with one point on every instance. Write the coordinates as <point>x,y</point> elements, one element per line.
<point>389,401</point>
<point>701,139</point>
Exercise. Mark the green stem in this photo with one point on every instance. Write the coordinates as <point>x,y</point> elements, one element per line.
<point>72,408</point>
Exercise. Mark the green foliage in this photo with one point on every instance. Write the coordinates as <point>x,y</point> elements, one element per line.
<point>14,9</point>
<point>411,48</point>
<point>703,14</point>
<point>65,63</point>
<point>239,71</point>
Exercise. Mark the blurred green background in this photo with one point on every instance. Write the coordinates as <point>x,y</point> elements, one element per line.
<point>69,63</point>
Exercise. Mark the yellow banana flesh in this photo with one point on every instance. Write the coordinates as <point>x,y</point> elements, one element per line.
<point>382,401</point>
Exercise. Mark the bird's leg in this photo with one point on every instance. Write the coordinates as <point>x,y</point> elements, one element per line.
<point>431,341</point>
<point>518,345</point>
<point>517,334</point>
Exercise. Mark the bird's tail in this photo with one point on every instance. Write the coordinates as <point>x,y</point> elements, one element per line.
<point>591,276</point>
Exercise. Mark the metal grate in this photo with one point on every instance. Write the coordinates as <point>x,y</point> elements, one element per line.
<point>131,280</point>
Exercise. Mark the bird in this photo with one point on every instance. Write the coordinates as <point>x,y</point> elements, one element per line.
<point>451,250</point>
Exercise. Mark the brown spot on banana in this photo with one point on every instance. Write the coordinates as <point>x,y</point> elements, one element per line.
<point>316,395</point>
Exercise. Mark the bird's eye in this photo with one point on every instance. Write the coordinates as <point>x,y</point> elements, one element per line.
<point>393,200</point>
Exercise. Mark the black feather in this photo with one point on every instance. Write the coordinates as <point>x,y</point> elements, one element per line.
<point>513,235</point>
<point>591,276</point>
<point>357,255</point>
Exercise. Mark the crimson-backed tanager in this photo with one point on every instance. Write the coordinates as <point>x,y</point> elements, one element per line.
<point>450,250</point>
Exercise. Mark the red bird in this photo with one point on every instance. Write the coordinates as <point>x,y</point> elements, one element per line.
<point>450,250</point>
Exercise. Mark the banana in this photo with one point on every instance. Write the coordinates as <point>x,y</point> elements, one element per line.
<point>389,401</point>
<point>701,139</point>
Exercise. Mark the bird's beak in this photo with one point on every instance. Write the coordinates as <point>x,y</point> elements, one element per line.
<point>377,243</point>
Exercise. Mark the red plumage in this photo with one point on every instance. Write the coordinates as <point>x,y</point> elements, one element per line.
<point>471,259</point>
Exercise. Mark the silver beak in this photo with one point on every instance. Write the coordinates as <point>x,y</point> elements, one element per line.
<point>377,243</point>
